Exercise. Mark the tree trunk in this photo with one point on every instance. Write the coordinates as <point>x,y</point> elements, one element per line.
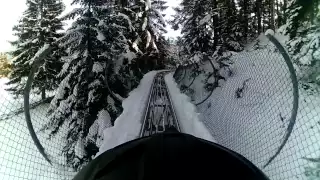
<point>272,16</point>
<point>258,6</point>
<point>285,4</point>
<point>245,19</point>
<point>262,17</point>
<point>313,11</point>
<point>43,93</point>
<point>216,20</point>
<point>279,20</point>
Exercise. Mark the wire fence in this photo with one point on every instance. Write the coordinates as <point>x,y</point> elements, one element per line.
<point>258,109</point>
<point>19,157</point>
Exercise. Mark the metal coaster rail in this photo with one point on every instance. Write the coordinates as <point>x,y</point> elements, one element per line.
<point>160,114</point>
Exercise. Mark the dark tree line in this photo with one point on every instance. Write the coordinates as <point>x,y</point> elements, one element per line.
<point>211,27</point>
<point>221,25</point>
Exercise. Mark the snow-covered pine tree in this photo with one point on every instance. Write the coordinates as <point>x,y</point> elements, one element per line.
<point>303,29</point>
<point>149,25</point>
<point>39,26</point>
<point>94,43</point>
<point>244,8</point>
<point>49,30</point>
<point>207,33</point>
<point>26,47</point>
<point>197,33</point>
<point>248,16</point>
<point>209,27</point>
<point>279,11</point>
<point>231,32</point>
<point>157,27</point>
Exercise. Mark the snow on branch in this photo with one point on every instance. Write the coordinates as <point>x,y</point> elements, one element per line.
<point>128,20</point>
<point>75,12</point>
<point>161,19</point>
<point>206,19</point>
<point>40,54</point>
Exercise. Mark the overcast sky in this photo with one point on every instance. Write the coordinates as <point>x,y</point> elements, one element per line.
<point>11,11</point>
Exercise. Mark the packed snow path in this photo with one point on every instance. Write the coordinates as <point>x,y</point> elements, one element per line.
<point>160,114</point>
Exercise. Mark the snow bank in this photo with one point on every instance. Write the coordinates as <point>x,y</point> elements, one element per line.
<point>186,112</point>
<point>128,124</point>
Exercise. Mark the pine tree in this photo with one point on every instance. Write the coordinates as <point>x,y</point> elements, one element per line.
<point>49,27</point>
<point>209,27</point>
<point>147,40</point>
<point>230,27</point>
<point>39,26</point>
<point>95,43</point>
<point>157,27</point>
<point>25,47</point>
<point>303,29</point>
<point>103,46</point>
<point>244,14</point>
<point>197,33</point>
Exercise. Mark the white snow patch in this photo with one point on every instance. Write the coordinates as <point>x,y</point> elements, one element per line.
<point>79,149</point>
<point>148,39</point>
<point>97,67</point>
<point>148,5</point>
<point>135,45</point>
<point>161,18</point>
<point>269,31</point>
<point>186,112</point>
<point>206,19</point>
<point>128,124</point>
<point>145,23</point>
<point>131,28</point>
<point>100,36</point>
<point>39,53</point>
<point>102,122</point>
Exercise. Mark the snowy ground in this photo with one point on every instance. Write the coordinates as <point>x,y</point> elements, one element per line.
<point>10,103</point>
<point>19,157</point>
<point>250,113</point>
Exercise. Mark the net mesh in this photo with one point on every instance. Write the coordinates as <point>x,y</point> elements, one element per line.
<point>252,110</point>
<point>19,157</point>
